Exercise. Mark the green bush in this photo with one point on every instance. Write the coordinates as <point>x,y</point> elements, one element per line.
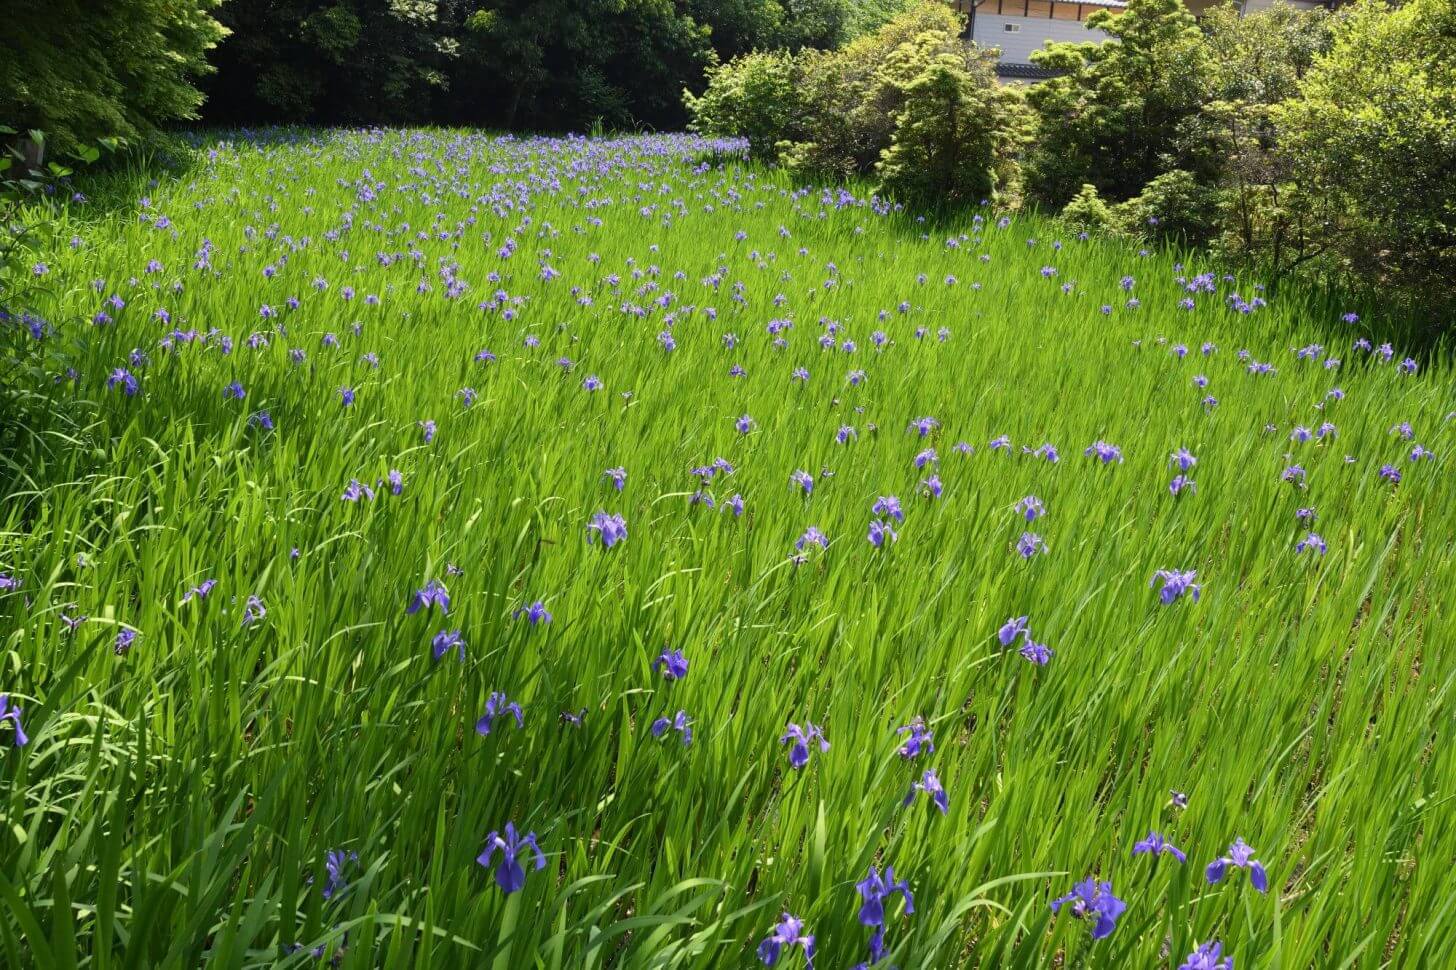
<point>756,96</point>
<point>954,140</point>
<point>1373,136</point>
<point>1088,211</point>
<point>82,70</point>
<point>1174,207</point>
<point>1120,114</point>
<point>911,102</point>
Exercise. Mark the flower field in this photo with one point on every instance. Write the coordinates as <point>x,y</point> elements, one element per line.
<point>607,553</point>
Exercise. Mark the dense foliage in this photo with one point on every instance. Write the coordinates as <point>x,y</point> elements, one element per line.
<point>911,102</point>
<point>459,505</point>
<point>1373,134</point>
<point>539,64</point>
<point>81,71</point>
<point>1118,117</point>
<point>1292,141</point>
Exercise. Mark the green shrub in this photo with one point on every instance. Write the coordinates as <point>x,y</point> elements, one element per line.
<point>756,96</point>
<point>1174,207</point>
<point>954,138</point>
<point>1120,115</point>
<point>1372,136</point>
<point>1087,210</point>
<point>82,70</point>
<point>911,102</point>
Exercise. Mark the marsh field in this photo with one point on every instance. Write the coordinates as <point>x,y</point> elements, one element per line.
<point>481,551</point>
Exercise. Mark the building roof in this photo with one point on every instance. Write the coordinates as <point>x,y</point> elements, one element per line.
<point>1026,72</point>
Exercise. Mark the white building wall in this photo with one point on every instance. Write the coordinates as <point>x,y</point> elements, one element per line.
<point>1016,46</point>
<point>1254,6</point>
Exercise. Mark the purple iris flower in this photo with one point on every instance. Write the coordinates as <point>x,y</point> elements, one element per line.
<point>735,503</point>
<point>788,931</point>
<point>1390,473</point>
<point>355,491</point>
<point>618,476</point>
<point>346,396</point>
<point>926,457</point>
<point>930,784</point>
<point>1294,474</point>
<point>812,536</point>
<point>931,487</point>
<point>1312,542</point>
<point>427,430</point>
<point>395,478</point>
<point>920,739</point>
<point>235,391</point>
<point>535,613</point>
<point>889,506</point>
<point>802,737</point>
<point>1209,956</point>
<point>434,593</point>
<point>497,705</point>
<point>1090,898</point>
<point>125,637</point>
<point>1031,507</point>
<point>1012,629</point>
<point>744,424</point>
<point>446,640</point>
<point>1178,798</point>
<point>509,873</point>
<point>1037,653</point>
<point>1240,856</point>
<point>1156,845</point>
<point>924,426</point>
<point>1104,452</point>
<point>592,383</point>
<point>334,864</point>
<point>262,419</point>
<point>11,712</point>
<point>253,611</point>
<point>611,529</point>
<point>1180,484</point>
<point>1183,458</point>
<point>123,378</point>
<point>1421,453</point>
<point>804,480</point>
<point>672,663</point>
<point>1001,443</point>
<point>680,723</point>
<point>1029,545</point>
<point>874,889</point>
<point>199,591</point>
<point>574,718</point>
<point>1176,583</point>
<point>8,581</point>
<point>880,532</point>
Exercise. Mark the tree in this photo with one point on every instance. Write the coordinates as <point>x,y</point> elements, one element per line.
<point>956,136</point>
<point>81,71</point>
<point>1119,115</point>
<point>331,61</point>
<point>1374,131</point>
<point>1267,216</point>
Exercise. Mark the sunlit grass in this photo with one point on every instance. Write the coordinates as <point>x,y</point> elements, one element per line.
<point>176,804</point>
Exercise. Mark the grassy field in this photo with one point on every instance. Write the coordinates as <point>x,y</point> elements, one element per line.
<point>345,394</point>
